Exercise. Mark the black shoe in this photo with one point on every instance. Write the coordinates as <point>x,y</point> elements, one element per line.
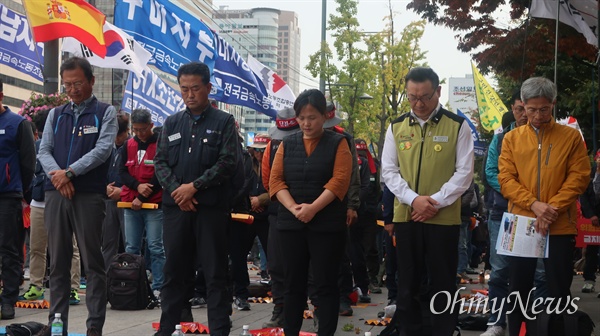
<point>277,318</point>
<point>241,304</point>
<point>93,332</point>
<point>364,299</point>
<point>345,309</point>
<point>8,311</point>
<point>264,275</point>
<point>198,302</point>
<point>45,331</point>
<point>186,315</point>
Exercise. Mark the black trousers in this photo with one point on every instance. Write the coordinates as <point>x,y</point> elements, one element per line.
<point>591,262</point>
<point>559,276</point>
<point>275,262</point>
<point>322,251</point>
<point>189,237</point>
<point>241,239</point>
<point>391,267</point>
<point>12,235</point>
<point>432,248</point>
<point>361,244</point>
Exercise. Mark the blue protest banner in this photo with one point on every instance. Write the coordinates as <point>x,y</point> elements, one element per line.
<point>18,50</point>
<point>240,85</point>
<point>150,92</point>
<point>170,34</point>
<point>479,144</point>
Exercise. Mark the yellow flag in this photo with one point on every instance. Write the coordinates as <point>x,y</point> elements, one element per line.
<point>491,108</point>
<point>54,19</point>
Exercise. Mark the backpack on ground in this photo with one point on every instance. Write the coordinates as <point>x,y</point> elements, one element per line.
<point>577,324</point>
<point>127,284</point>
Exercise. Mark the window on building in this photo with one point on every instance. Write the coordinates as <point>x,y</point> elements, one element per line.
<point>285,53</point>
<point>285,40</point>
<point>285,34</point>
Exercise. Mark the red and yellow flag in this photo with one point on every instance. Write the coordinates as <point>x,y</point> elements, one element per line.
<point>54,19</point>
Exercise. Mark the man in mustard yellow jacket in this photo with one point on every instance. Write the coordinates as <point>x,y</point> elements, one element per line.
<point>543,168</point>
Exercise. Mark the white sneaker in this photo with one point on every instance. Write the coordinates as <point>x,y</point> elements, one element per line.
<point>588,287</point>
<point>156,293</point>
<point>494,331</point>
<point>26,273</point>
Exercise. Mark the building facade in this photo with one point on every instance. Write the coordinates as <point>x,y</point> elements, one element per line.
<point>269,35</point>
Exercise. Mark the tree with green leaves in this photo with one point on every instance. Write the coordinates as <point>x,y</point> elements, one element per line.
<point>368,63</point>
<point>506,41</point>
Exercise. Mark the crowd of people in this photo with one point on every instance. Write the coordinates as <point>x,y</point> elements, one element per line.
<point>315,194</point>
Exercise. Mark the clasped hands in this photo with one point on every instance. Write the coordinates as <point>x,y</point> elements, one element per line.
<point>545,215</point>
<point>184,197</point>
<point>304,212</point>
<point>62,183</point>
<point>424,208</point>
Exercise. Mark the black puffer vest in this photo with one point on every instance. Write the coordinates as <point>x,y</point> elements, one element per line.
<point>305,178</point>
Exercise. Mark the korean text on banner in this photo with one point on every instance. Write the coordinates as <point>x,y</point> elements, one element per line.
<point>122,51</point>
<point>240,85</point>
<point>150,92</point>
<point>54,19</point>
<point>490,106</point>
<point>18,50</point>
<point>171,35</point>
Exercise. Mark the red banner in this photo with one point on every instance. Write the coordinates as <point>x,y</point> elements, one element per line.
<point>587,234</point>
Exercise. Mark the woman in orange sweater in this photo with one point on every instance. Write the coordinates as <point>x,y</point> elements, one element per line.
<point>310,177</point>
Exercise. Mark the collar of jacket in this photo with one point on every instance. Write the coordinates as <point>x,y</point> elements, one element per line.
<point>546,126</point>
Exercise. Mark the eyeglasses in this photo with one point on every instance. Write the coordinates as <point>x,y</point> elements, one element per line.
<point>76,85</point>
<point>519,109</point>
<point>542,110</point>
<point>424,99</point>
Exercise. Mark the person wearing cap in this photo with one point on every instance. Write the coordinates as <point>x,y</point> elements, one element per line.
<point>241,234</point>
<point>427,163</point>
<point>310,176</point>
<point>362,234</point>
<point>353,197</point>
<point>285,124</point>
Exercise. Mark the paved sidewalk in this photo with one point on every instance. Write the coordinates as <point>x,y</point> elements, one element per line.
<point>139,323</point>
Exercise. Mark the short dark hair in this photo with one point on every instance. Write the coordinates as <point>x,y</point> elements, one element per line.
<point>141,116</point>
<point>75,62</point>
<point>515,96</point>
<point>123,122</point>
<point>423,74</point>
<point>39,119</point>
<point>195,68</point>
<point>312,97</point>
<point>507,119</point>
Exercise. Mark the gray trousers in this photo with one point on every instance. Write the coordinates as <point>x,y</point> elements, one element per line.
<point>112,231</point>
<point>82,215</point>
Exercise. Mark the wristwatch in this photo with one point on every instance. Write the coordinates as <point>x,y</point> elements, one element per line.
<point>69,174</point>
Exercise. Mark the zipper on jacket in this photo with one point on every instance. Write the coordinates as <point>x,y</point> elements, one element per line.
<point>548,155</point>
<point>420,157</point>
<point>539,178</point>
<point>71,147</point>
